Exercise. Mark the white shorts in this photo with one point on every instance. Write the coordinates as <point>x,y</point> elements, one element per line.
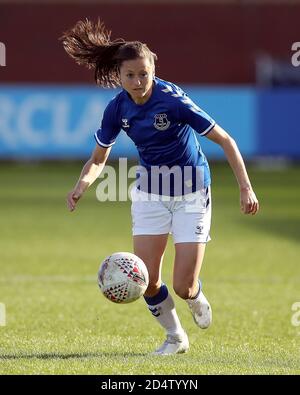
<point>187,217</point>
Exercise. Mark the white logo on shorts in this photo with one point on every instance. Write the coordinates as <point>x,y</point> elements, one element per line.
<point>199,230</point>
<point>161,122</point>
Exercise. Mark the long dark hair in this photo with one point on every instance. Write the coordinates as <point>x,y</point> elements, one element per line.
<point>90,45</point>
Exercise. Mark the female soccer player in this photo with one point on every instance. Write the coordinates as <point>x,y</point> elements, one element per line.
<point>173,186</point>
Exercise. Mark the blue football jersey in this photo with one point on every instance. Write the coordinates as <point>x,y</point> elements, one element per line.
<point>163,130</point>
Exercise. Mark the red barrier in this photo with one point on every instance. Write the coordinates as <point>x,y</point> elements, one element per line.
<point>196,43</point>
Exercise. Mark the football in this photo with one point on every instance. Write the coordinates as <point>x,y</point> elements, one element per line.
<point>123,277</point>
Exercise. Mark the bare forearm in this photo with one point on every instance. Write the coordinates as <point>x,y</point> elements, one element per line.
<point>90,172</point>
<point>236,162</point>
<point>248,200</point>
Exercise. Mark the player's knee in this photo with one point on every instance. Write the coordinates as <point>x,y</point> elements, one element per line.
<point>183,291</point>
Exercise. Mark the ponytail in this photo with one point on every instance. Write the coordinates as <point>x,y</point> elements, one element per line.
<point>89,45</point>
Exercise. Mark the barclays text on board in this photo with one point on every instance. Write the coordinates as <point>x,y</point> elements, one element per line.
<point>59,122</point>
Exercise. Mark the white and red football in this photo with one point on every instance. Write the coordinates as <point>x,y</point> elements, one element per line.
<point>123,277</point>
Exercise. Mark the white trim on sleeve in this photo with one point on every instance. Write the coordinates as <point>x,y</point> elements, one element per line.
<point>208,129</point>
<point>102,144</point>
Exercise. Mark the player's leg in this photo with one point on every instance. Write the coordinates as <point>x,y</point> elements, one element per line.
<point>186,283</point>
<point>151,221</point>
<point>190,229</point>
<point>187,266</point>
<point>151,248</point>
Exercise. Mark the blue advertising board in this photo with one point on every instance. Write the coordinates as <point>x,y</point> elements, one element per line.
<point>279,122</point>
<point>234,110</point>
<point>51,122</point>
<point>58,122</point>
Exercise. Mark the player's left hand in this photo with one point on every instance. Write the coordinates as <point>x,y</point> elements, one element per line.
<point>249,202</point>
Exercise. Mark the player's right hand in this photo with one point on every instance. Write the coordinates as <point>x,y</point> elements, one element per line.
<point>72,199</point>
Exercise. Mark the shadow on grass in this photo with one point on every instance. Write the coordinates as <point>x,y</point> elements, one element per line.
<point>69,356</point>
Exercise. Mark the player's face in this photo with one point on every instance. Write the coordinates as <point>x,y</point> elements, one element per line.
<point>137,78</point>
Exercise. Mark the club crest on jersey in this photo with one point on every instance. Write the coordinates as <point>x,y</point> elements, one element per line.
<point>161,122</point>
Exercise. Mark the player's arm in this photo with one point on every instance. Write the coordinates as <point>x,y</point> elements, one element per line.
<point>249,202</point>
<point>90,172</point>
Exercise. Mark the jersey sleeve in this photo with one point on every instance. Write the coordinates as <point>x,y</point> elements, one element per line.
<point>194,116</point>
<point>109,130</point>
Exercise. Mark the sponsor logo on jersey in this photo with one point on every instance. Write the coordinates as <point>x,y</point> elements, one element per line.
<point>125,123</point>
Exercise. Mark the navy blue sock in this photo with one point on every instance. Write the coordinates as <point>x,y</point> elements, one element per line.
<point>159,297</point>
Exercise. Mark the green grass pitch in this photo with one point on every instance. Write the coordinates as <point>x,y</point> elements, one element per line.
<point>57,321</point>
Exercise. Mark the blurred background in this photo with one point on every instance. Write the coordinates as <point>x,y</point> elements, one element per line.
<point>237,59</point>
<point>240,61</point>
